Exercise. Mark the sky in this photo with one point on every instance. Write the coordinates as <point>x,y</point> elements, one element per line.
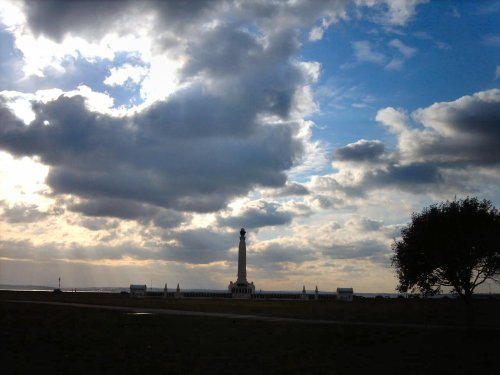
<point>138,137</point>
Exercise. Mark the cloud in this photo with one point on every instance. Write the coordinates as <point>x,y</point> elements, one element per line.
<point>413,177</point>
<point>231,126</point>
<point>193,153</point>
<point>22,213</point>
<point>395,120</point>
<point>444,148</point>
<point>316,33</point>
<point>442,45</point>
<point>364,52</point>
<point>463,131</point>
<point>280,255</point>
<point>290,189</point>
<point>171,27</point>
<point>56,19</point>
<point>97,223</point>
<point>395,64</point>
<point>393,12</point>
<point>129,210</point>
<point>226,128</point>
<point>405,50</point>
<point>364,224</point>
<point>491,40</point>
<point>126,73</point>
<point>256,215</point>
<point>25,249</point>
<point>356,249</point>
<point>361,151</point>
<point>200,246</point>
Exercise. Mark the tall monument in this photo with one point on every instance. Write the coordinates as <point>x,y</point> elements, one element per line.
<point>242,260</point>
<point>242,288</point>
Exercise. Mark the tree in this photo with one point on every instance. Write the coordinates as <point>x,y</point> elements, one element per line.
<point>453,245</point>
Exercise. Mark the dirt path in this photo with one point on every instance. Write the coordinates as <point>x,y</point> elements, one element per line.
<point>142,310</point>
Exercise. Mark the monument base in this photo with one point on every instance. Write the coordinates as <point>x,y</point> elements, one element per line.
<point>242,290</point>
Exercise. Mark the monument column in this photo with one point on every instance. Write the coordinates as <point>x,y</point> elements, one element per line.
<point>242,259</point>
<point>242,288</point>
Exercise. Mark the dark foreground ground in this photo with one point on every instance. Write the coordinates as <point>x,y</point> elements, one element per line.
<point>61,339</point>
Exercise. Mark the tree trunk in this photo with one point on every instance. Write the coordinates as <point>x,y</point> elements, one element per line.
<point>469,310</point>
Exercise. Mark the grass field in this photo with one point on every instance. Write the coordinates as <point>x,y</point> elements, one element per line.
<point>63,339</point>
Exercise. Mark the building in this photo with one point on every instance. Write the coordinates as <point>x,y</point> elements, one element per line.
<point>304,295</point>
<point>138,290</point>
<point>345,294</point>
<point>178,293</point>
<point>242,288</point>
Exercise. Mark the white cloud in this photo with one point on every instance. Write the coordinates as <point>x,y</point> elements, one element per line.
<point>405,50</point>
<point>162,79</point>
<point>395,119</point>
<point>364,52</point>
<point>393,12</point>
<point>11,14</point>
<point>401,11</point>
<point>118,76</point>
<point>21,179</point>
<point>442,45</point>
<point>316,33</point>
<point>395,64</point>
<point>491,40</point>
<point>95,101</point>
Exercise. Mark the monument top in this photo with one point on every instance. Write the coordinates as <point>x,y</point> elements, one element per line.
<point>242,232</point>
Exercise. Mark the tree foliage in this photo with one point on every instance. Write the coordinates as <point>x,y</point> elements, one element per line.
<point>453,245</point>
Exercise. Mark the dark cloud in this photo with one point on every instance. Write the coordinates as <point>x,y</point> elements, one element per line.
<point>358,249</point>
<point>201,246</point>
<point>114,208</point>
<point>276,256</point>
<point>365,224</point>
<point>97,223</point>
<point>460,133</point>
<point>124,209</point>
<point>195,151</point>
<point>413,177</point>
<point>245,51</point>
<point>165,156</point>
<point>57,18</point>
<point>290,189</point>
<point>262,215</point>
<point>93,19</point>
<point>327,201</point>
<point>361,151</point>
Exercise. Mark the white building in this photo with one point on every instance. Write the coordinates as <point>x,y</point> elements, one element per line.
<point>178,293</point>
<point>138,290</point>
<point>345,294</point>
